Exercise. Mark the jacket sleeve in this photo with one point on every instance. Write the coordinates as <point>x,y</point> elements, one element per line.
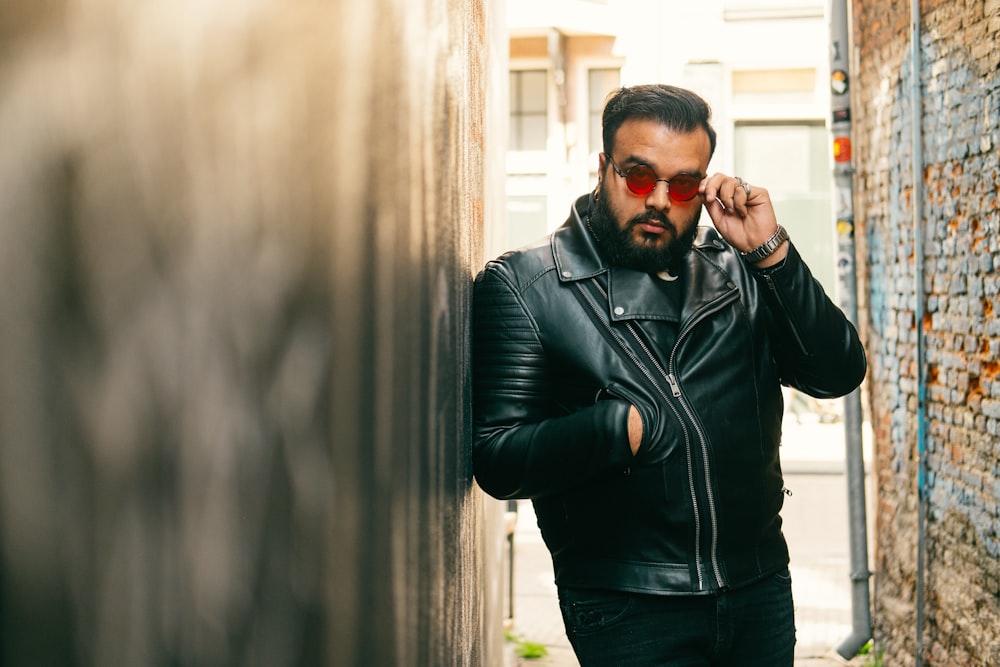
<point>815,346</point>
<point>526,445</point>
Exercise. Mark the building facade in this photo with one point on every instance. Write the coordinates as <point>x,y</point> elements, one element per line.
<point>763,67</point>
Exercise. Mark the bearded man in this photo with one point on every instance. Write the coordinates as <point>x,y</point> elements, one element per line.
<point>627,379</point>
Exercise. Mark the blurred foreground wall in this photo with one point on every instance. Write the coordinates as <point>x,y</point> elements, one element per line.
<point>236,246</point>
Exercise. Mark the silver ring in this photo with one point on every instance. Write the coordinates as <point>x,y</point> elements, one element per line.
<point>743,184</point>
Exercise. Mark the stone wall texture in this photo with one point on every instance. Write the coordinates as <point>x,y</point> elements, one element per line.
<point>237,241</point>
<point>959,118</point>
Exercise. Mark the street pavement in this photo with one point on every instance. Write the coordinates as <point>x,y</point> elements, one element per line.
<point>815,524</point>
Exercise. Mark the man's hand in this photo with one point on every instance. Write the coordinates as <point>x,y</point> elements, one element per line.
<point>634,429</point>
<point>745,220</point>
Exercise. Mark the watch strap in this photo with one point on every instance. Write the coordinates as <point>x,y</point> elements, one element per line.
<point>766,249</point>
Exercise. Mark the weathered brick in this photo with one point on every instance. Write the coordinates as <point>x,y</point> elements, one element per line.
<point>960,121</point>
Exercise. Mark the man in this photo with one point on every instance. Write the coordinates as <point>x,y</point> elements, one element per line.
<point>627,379</point>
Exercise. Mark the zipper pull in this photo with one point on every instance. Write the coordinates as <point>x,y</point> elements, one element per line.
<point>673,385</point>
<point>785,490</point>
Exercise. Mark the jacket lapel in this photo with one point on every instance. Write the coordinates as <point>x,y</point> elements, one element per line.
<point>632,294</point>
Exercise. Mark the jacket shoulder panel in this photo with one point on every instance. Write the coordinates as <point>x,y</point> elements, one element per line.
<point>521,268</point>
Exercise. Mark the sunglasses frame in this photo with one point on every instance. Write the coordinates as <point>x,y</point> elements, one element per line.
<point>625,175</point>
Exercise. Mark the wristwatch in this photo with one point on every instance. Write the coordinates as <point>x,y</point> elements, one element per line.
<point>764,251</point>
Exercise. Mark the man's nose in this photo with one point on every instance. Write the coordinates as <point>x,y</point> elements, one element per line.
<point>659,198</point>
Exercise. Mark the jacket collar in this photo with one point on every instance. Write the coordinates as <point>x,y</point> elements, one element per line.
<point>634,294</point>
<point>573,246</point>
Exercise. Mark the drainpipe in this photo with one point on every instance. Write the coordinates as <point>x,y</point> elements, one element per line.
<point>916,109</point>
<point>843,172</point>
<point>557,62</point>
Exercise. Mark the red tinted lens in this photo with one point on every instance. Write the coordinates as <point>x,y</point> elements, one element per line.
<point>684,187</point>
<point>640,179</point>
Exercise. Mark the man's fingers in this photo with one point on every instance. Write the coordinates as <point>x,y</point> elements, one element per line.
<point>728,191</point>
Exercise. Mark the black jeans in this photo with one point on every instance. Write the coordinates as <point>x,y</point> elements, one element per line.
<point>752,626</point>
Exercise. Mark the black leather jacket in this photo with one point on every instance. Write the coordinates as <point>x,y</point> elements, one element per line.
<point>563,344</point>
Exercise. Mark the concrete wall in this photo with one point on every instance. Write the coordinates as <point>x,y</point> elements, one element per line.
<point>959,117</point>
<point>236,247</point>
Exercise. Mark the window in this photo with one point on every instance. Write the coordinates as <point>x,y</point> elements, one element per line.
<point>526,216</point>
<point>526,171</point>
<point>528,110</point>
<point>792,161</point>
<point>600,84</point>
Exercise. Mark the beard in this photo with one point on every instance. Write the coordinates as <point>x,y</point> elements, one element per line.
<point>620,247</point>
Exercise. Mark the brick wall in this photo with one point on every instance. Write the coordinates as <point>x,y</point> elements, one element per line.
<point>960,119</point>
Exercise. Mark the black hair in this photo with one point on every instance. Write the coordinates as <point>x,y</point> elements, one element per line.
<point>676,108</point>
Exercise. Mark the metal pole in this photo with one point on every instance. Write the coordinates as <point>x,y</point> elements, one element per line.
<point>843,172</point>
<point>918,317</point>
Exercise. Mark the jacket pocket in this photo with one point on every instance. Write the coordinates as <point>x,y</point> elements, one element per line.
<point>590,612</point>
<point>619,392</point>
<point>661,431</point>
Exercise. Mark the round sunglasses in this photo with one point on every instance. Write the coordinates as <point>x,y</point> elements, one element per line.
<point>641,180</point>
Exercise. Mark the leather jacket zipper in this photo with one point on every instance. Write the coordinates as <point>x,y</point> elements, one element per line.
<point>791,325</point>
<point>600,316</point>
<point>676,392</point>
<point>714,307</point>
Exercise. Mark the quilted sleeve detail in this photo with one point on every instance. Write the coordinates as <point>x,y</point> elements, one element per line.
<point>525,445</point>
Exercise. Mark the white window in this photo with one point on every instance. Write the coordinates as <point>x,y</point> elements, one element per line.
<point>600,83</point>
<point>529,110</point>
<point>527,166</point>
<point>792,161</point>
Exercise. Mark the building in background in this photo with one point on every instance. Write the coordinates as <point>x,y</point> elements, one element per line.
<point>762,65</point>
